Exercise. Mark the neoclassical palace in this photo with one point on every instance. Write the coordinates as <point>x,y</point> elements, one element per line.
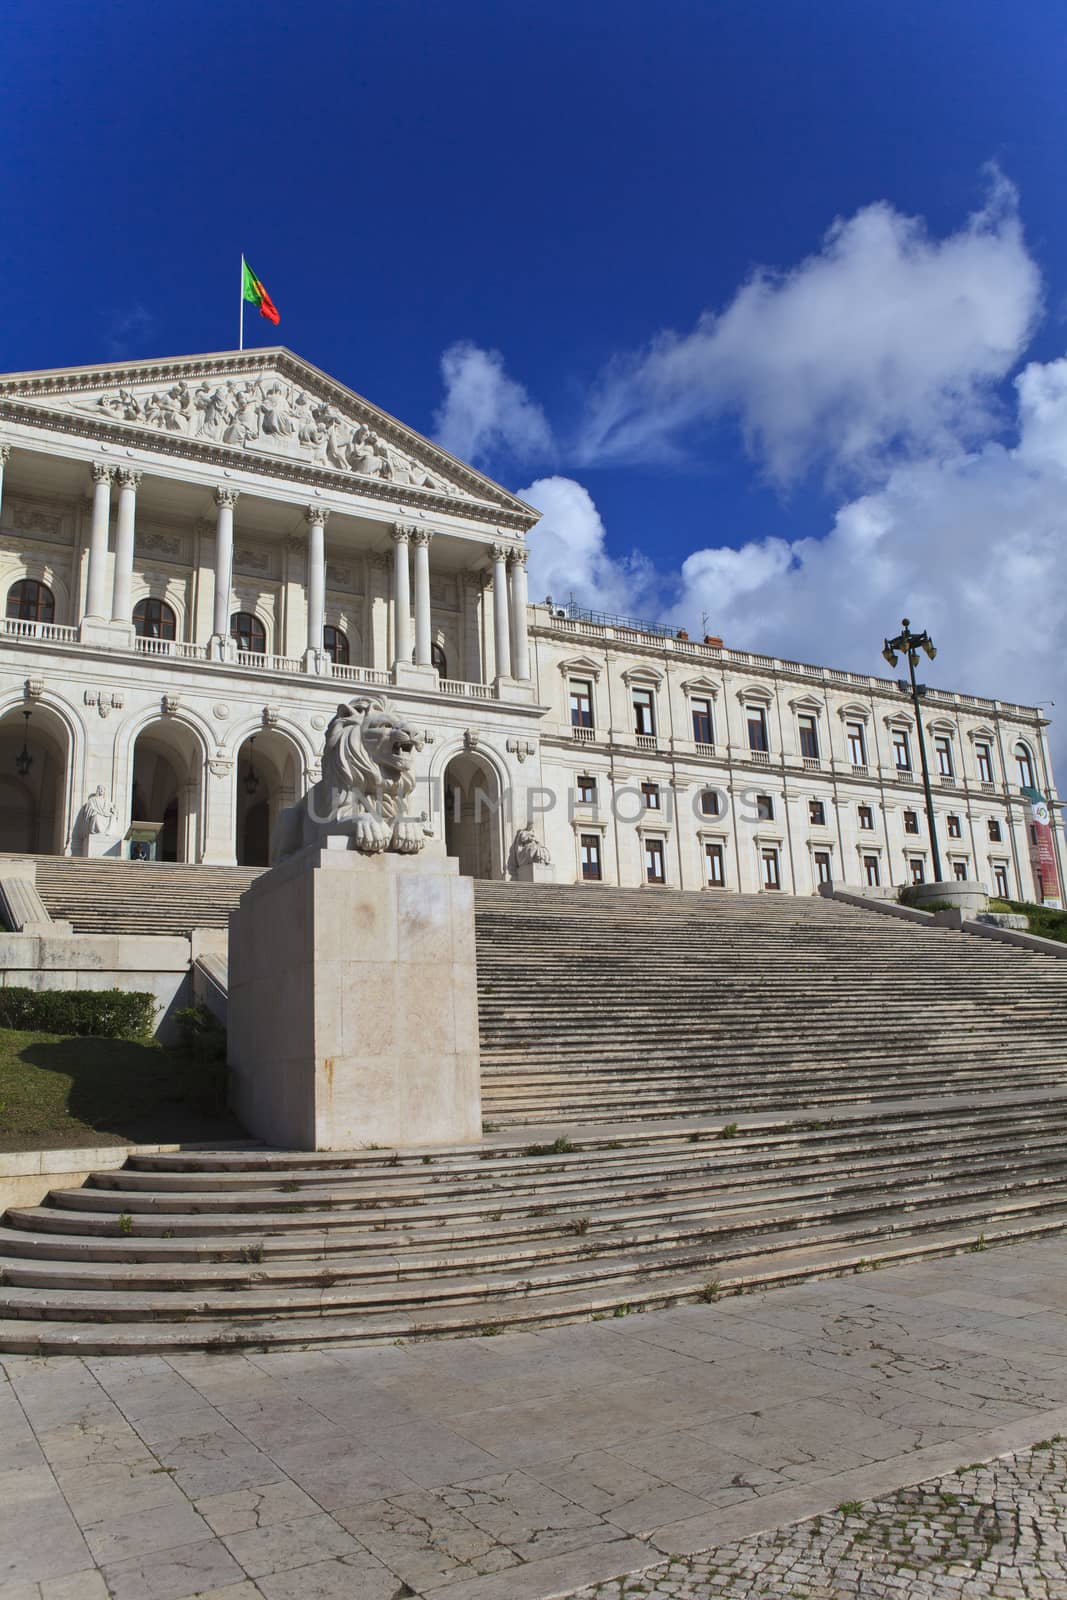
<point>199,558</point>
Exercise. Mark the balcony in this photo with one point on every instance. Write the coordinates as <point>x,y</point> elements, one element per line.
<point>583,735</point>
<point>646,741</point>
<point>703,748</point>
<point>762,758</point>
<point>811,763</point>
<point>250,661</point>
<point>859,770</point>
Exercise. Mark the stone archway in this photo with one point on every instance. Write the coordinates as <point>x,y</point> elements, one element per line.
<point>34,758</point>
<point>268,779</point>
<point>166,786</point>
<point>473,821</point>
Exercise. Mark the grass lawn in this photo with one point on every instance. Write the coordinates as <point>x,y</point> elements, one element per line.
<point>1045,921</point>
<point>59,1091</point>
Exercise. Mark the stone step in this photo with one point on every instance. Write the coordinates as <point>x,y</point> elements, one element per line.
<point>53,1336</point>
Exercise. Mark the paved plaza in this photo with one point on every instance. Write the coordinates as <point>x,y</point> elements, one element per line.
<point>522,1466</point>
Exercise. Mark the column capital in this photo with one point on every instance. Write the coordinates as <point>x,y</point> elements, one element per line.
<point>517,557</point>
<point>129,477</point>
<point>421,535</point>
<point>499,552</point>
<point>319,514</point>
<point>400,533</point>
<point>5,453</point>
<point>103,471</point>
<point>225,496</point>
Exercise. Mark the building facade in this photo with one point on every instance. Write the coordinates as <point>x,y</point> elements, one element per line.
<point>200,557</point>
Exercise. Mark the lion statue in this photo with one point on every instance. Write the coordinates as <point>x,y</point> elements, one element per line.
<point>367,776</point>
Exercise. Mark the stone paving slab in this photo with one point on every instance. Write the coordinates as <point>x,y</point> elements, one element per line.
<point>533,1464</point>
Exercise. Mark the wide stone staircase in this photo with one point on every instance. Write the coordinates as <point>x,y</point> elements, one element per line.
<point>145,897</point>
<point>616,1003</point>
<point>686,1096</point>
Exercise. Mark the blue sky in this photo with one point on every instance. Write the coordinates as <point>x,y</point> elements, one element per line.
<point>590,246</point>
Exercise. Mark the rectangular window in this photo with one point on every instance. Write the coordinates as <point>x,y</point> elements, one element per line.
<point>709,803</point>
<point>822,866</point>
<point>857,744</point>
<point>650,795</point>
<point>586,791</point>
<point>911,822</point>
<point>994,830</point>
<point>959,871</point>
<point>1000,882</point>
<point>918,871</point>
<point>817,813</point>
<point>809,738</point>
<point>983,755</point>
<point>654,872</point>
<point>589,846</point>
<point>866,816</point>
<point>901,750</point>
<point>771,876</point>
<point>702,729</point>
<point>764,808</point>
<point>757,728</point>
<point>870,867</point>
<point>714,866</point>
<point>943,749</point>
<point>644,711</point>
<point>955,827</point>
<point>581,704</point>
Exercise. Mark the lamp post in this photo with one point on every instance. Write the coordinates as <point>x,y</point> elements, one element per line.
<point>909,644</point>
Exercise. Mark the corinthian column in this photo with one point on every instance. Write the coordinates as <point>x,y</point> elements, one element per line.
<point>316,518</point>
<point>401,597</point>
<point>96,600</point>
<point>5,452</point>
<point>520,640</point>
<point>225,500</point>
<point>420,538</point>
<point>121,606</point>
<point>501,624</point>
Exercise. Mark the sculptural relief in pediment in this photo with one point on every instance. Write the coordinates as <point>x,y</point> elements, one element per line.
<point>266,413</point>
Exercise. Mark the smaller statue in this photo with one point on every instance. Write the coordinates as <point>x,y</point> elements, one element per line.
<point>98,813</point>
<point>529,851</point>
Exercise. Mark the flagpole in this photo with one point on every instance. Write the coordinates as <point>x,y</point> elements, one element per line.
<point>241,343</point>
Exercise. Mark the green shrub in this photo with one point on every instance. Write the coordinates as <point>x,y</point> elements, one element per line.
<point>82,1013</point>
<point>201,1033</point>
<point>1045,921</point>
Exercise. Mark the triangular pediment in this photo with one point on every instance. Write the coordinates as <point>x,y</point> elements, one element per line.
<point>270,407</point>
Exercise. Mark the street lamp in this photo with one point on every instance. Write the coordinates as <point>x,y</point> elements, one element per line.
<point>251,779</point>
<point>909,644</point>
<point>24,761</point>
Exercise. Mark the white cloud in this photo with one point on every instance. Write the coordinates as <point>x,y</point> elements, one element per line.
<point>568,555</point>
<point>970,545</point>
<point>485,412</point>
<point>886,341</point>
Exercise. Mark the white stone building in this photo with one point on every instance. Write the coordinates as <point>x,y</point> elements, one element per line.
<point>200,557</point>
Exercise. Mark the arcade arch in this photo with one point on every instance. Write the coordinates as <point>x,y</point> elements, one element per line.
<point>167,786</point>
<point>473,820</point>
<point>269,769</point>
<point>34,763</point>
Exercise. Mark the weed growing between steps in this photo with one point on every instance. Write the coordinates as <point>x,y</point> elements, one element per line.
<point>60,1091</point>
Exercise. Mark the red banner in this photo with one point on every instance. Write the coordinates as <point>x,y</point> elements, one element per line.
<point>1043,850</point>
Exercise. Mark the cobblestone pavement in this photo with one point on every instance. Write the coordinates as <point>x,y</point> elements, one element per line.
<point>535,1464</point>
<point>990,1531</point>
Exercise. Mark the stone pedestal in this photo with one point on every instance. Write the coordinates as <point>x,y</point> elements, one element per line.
<point>535,872</point>
<point>353,1007</point>
<point>965,894</point>
<point>101,844</point>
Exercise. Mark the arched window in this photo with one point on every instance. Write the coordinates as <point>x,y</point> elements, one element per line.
<point>30,601</point>
<point>1024,763</point>
<point>439,660</point>
<point>335,644</point>
<point>154,619</point>
<point>249,632</point>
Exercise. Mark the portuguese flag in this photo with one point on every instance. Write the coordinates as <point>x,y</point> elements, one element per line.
<point>253,290</point>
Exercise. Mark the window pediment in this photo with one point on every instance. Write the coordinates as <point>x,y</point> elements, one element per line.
<point>756,694</point>
<point>701,686</point>
<point>942,726</point>
<point>854,712</point>
<point>807,703</point>
<point>642,677</point>
<point>986,735</point>
<point>897,720</point>
<point>580,667</point>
